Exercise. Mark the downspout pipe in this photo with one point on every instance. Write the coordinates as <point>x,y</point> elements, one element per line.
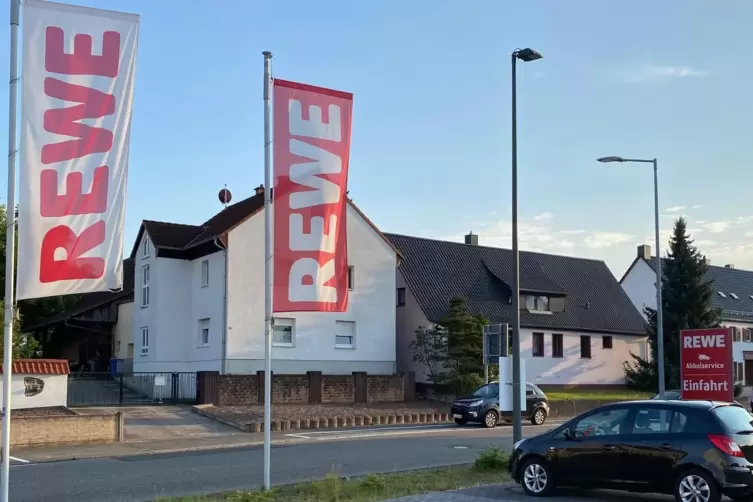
<point>223,367</point>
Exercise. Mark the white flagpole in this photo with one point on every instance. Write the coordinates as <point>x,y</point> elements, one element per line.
<point>10,251</point>
<point>267,273</point>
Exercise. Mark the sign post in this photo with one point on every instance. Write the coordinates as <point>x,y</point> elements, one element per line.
<point>706,364</point>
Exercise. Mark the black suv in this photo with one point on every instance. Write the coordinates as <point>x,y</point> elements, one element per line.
<point>483,406</point>
<point>695,450</point>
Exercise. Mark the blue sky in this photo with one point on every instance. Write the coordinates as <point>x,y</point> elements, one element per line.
<point>430,151</point>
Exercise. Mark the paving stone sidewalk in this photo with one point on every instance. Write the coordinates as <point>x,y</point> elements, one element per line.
<point>510,492</point>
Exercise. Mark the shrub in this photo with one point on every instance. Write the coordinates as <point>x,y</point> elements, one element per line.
<point>738,389</point>
<point>465,384</point>
<point>491,459</point>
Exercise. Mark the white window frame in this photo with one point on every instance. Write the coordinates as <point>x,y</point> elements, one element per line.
<point>145,246</point>
<point>204,273</point>
<point>351,278</point>
<point>283,322</point>
<point>145,293</point>
<point>339,325</point>
<point>144,341</point>
<point>204,325</point>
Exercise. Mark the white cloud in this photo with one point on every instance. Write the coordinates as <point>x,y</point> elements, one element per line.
<point>675,209</point>
<point>658,73</point>
<point>543,216</point>
<point>697,206</point>
<point>572,232</point>
<point>598,240</point>
<point>716,226</point>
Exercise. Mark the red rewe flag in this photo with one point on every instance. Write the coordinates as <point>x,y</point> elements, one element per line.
<point>311,153</point>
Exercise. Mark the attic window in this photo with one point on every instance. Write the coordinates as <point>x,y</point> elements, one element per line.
<point>535,303</point>
<point>721,294</point>
<point>733,295</point>
<point>145,247</point>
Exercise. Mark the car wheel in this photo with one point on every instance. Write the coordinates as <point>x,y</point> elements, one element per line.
<point>490,419</point>
<point>536,478</point>
<point>696,486</point>
<point>538,417</point>
<point>461,421</point>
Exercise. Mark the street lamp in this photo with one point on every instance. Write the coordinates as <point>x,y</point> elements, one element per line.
<point>659,304</point>
<point>525,55</point>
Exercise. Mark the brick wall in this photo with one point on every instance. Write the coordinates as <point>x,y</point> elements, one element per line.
<point>238,390</point>
<point>290,389</point>
<point>338,389</point>
<point>67,430</point>
<point>384,388</point>
<point>246,390</point>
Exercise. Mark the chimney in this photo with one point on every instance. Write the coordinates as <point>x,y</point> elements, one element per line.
<point>471,239</point>
<point>644,251</point>
<point>729,265</point>
<point>259,189</point>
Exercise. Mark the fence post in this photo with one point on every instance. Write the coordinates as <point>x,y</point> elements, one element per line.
<point>120,381</point>
<point>175,388</point>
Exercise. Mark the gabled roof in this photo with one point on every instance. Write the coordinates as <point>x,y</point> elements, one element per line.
<point>39,367</point>
<point>191,241</point>
<point>728,281</point>
<point>437,271</point>
<point>92,301</point>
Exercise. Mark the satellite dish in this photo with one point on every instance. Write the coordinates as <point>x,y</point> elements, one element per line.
<point>225,196</point>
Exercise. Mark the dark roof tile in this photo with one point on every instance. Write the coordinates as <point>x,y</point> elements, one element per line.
<point>437,271</point>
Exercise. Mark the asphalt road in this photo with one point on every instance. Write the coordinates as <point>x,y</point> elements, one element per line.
<point>312,455</point>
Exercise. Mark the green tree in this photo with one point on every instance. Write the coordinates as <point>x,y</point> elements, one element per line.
<point>429,348</point>
<point>686,299</point>
<point>24,346</point>
<point>465,346</point>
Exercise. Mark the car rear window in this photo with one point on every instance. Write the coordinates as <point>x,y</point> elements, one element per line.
<point>735,419</point>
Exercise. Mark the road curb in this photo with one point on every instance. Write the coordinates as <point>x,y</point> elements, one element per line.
<point>329,422</point>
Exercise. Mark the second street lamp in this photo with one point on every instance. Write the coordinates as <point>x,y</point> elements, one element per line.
<point>659,303</point>
<point>525,55</point>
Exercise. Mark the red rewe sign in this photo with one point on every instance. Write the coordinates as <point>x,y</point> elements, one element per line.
<point>706,364</point>
<point>311,154</point>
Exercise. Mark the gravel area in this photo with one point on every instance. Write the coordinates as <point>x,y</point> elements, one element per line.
<point>251,414</point>
<point>53,411</point>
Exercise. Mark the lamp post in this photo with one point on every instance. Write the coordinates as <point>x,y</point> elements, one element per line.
<point>525,55</point>
<point>659,304</point>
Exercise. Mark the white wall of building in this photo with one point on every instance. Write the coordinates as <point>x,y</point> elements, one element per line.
<point>409,317</point>
<point>640,286</point>
<point>371,306</point>
<point>177,303</point>
<point>54,392</point>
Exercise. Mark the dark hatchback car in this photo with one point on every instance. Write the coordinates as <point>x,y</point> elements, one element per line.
<point>695,450</point>
<point>483,406</point>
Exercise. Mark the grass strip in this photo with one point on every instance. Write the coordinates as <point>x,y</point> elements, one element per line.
<point>560,394</point>
<point>490,468</point>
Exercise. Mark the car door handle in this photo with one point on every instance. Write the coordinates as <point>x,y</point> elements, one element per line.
<point>667,446</point>
<point>608,447</point>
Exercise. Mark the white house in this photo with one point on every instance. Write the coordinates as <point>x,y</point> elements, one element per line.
<point>733,294</point>
<point>199,301</point>
<point>578,325</point>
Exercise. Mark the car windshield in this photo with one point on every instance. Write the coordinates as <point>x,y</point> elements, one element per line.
<point>736,419</point>
<point>536,389</point>
<point>489,390</point>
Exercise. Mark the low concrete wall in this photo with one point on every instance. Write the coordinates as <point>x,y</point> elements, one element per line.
<point>66,430</point>
<point>572,408</point>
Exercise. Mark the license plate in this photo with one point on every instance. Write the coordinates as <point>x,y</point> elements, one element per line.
<point>457,416</point>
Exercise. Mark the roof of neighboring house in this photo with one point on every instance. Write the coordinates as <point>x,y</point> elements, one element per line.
<point>92,301</point>
<point>437,271</point>
<point>730,281</point>
<point>190,241</point>
<point>40,367</point>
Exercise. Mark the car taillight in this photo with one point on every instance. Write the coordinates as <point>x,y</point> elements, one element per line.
<point>726,445</point>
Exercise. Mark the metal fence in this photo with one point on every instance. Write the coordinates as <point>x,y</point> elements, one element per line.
<point>105,389</point>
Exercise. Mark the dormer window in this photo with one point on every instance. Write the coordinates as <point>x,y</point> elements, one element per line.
<point>535,303</point>
<point>733,295</point>
<point>145,247</point>
<point>721,294</point>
